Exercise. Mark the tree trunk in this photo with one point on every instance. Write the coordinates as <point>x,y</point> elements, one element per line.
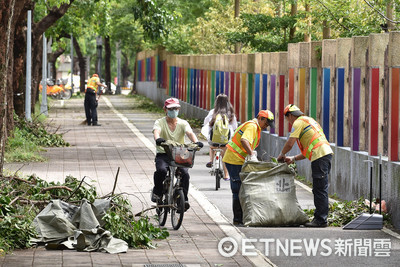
<point>19,79</point>
<point>37,30</point>
<point>125,71</point>
<point>389,15</point>
<point>52,58</point>
<point>82,65</point>
<point>107,61</point>
<point>10,11</point>
<point>307,35</point>
<point>326,32</point>
<point>237,13</point>
<point>293,12</point>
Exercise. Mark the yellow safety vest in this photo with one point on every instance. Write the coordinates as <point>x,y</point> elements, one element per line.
<point>92,83</point>
<point>317,140</point>
<point>235,145</point>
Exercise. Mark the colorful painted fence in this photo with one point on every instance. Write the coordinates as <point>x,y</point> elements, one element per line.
<point>349,85</point>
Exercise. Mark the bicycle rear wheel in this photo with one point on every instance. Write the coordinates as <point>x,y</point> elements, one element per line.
<point>162,212</point>
<point>178,209</point>
<point>218,176</point>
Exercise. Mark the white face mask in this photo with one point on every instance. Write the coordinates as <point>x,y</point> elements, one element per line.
<point>172,113</point>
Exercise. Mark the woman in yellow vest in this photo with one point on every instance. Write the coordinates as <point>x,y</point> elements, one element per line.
<point>242,147</point>
<point>314,146</point>
<point>91,100</point>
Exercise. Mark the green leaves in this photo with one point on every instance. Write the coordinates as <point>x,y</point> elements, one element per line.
<point>120,221</point>
<point>343,212</point>
<point>153,18</point>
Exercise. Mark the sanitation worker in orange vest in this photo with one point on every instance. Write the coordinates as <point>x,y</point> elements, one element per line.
<point>242,147</point>
<point>314,146</point>
<point>91,100</point>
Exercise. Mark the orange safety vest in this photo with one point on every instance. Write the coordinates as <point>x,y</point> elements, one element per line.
<point>235,145</point>
<point>317,140</point>
<point>92,83</point>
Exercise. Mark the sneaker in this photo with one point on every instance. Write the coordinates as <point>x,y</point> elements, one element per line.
<point>96,124</point>
<point>238,224</point>
<point>155,198</point>
<point>187,206</point>
<point>209,164</point>
<point>315,224</point>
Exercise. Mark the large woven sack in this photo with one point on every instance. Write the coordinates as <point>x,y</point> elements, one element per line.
<point>268,195</point>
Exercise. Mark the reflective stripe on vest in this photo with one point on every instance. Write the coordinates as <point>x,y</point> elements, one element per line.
<point>236,146</point>
<point>92,83</point>
<point>317,140</point>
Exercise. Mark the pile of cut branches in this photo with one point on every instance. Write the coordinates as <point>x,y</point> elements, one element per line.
<point>343,212</point>
<point>22,199</point>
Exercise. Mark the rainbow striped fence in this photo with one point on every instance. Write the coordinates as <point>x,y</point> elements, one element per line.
<point>351,89</point>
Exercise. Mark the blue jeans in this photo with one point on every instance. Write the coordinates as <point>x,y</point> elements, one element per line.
<point>320,170</point>
<point>236,183</point>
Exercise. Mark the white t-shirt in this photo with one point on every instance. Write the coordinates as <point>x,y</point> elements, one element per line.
<point>182,127</point>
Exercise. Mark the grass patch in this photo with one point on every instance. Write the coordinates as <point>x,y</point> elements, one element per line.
<point>145,104</point>
<point>78,95</point>
<point>28,139</point>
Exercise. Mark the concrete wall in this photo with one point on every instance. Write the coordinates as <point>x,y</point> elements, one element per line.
<point>150,90</point>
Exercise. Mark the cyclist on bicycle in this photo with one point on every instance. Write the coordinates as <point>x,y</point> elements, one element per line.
<point>223,108</point>
<point>172,128</point>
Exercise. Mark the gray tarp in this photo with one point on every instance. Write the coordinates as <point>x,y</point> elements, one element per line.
<point>268,195</point>
<point>76,227</point>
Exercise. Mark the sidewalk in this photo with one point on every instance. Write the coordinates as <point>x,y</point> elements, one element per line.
<point>97,152</point>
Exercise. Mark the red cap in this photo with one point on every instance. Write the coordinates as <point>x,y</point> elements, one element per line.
<point>172,103</point>
<point>95,75</point>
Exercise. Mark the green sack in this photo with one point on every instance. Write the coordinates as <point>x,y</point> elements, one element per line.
<point>268,195</point>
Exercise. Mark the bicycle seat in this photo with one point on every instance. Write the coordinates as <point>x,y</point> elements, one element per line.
<point>217,145</point>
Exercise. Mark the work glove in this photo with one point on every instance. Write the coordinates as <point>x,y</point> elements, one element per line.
<point>159,141</point>
<point>252,157</point>
<point>200,144</point>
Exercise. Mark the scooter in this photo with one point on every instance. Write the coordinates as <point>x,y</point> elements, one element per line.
<point>56,90</point>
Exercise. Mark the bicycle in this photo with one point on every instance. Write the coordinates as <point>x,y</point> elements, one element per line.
<point>173,199</point>
<point>217,168</point>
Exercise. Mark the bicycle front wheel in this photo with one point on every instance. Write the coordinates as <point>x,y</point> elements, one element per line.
<point>162,212</point>
<point>178,209</point>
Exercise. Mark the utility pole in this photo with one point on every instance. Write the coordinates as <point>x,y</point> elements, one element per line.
<point>43,106</point>
<point>72,64</point>
<point>118,90</point>
<point>28,68</point>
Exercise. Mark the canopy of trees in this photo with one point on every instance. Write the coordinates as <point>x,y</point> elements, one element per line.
<point>180,26</point>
